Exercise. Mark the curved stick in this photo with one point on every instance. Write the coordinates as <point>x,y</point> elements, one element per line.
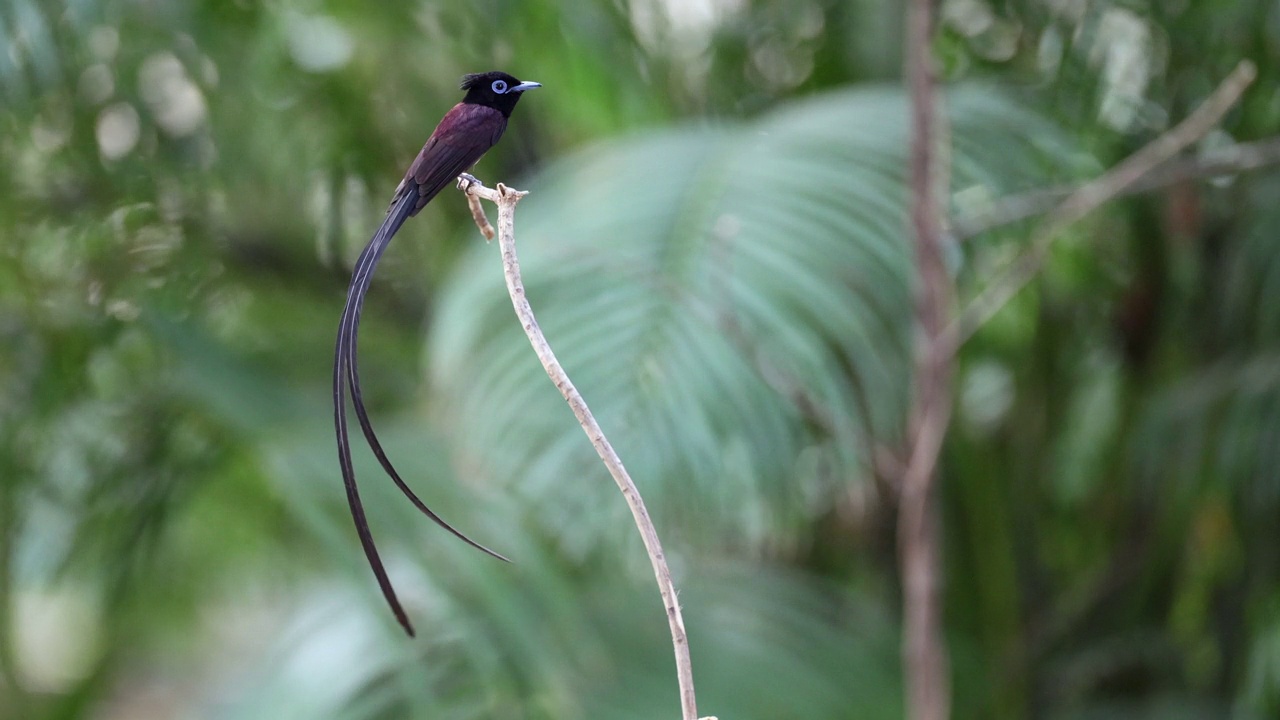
<point>506,198</point>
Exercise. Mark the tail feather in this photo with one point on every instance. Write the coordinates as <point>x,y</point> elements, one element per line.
<point>345,374</point>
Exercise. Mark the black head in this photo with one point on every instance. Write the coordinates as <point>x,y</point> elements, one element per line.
<point>497,90</point>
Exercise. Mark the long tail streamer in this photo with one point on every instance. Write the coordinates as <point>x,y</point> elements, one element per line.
<point>345,374</point>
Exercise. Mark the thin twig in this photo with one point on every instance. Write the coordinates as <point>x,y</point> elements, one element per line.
<point>1232,160</point>
<point>477,214</point>
<point>1089,196</point>
<point>506,199</point>
<point>925,661</point>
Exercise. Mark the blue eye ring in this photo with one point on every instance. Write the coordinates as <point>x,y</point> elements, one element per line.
<point>499,86</point>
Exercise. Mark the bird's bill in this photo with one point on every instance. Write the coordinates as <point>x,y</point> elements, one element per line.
<point>526,86</point>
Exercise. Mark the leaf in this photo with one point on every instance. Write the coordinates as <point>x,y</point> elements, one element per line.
<point>728,299</point>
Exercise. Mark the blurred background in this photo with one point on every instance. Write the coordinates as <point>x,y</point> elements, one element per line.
<point>716,246</point>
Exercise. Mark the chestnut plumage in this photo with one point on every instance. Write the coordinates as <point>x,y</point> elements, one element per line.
<point>465,133</point>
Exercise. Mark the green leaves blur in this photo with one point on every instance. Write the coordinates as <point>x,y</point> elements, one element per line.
<point>715,245</point>
<point>734,300</point>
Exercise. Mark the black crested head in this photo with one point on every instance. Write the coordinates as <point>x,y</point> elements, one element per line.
<point>497,90</point>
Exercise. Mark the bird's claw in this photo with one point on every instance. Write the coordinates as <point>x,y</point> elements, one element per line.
<point>466,180</point>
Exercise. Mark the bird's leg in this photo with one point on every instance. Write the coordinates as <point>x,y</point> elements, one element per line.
<point>466,180</point>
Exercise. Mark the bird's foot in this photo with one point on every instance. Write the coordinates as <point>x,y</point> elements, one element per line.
<point>466,180</point>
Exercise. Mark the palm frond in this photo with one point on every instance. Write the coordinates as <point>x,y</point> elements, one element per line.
<point>729,299</point>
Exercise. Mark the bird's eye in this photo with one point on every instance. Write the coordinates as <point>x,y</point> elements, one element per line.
<point>499,86</point>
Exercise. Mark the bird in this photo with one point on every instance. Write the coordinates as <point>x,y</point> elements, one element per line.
<point>463,135</point>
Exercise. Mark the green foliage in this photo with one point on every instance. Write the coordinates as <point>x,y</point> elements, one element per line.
<point>738,300</point>
<point>716,246</point>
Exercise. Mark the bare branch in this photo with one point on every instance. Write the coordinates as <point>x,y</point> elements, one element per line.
<point>506,199</point>
<point>1092,194</point>
<point>925,660</point>
<point>1233,160</point>
<point>477,214</point>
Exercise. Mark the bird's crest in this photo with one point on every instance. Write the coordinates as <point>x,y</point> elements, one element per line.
<point>470,80</point>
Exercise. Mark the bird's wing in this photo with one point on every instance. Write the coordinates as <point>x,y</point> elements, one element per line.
<point>464,134</point>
